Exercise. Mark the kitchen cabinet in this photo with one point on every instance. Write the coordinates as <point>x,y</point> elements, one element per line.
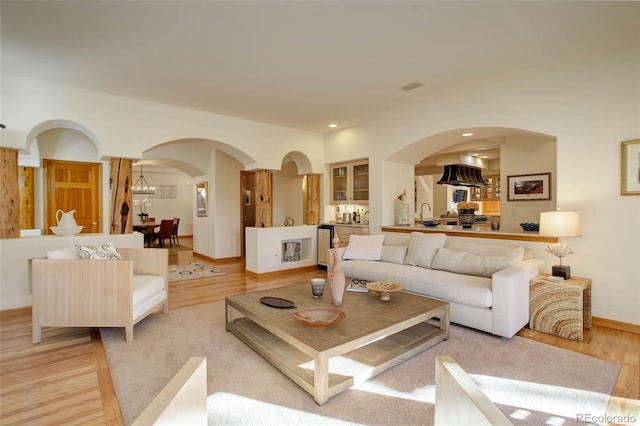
<point>343,232</point>
<point>350,182</point>
<point>491,192</point>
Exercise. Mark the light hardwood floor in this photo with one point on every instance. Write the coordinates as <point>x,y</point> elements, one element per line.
<point>65,379</point>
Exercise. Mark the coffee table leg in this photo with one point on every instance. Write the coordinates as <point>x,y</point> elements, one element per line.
<point>445,322</point>
<point>228,315</point>
<point>321,379</point>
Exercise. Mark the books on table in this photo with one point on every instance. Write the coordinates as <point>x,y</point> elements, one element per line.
<point>359,286</point>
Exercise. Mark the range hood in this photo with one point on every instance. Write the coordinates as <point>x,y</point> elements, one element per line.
<point>461,175</point>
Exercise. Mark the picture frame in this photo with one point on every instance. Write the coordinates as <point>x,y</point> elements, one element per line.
<point>630,167</point>
<point>202,199</point>
<point>532,187</point>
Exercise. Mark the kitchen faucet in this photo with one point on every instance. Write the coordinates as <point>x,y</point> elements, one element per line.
<point>422,207</point>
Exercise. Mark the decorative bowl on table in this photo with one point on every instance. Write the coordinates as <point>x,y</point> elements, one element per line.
<point>384,289</point>
<point>430,223</point>
<point>66,232</point>
<point>530,227</point>
<point>319,317</point>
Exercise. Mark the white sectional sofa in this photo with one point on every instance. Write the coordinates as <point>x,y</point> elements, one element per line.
<point>487,285</point>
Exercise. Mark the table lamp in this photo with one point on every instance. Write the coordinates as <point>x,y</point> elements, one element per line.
<point>560,224</point>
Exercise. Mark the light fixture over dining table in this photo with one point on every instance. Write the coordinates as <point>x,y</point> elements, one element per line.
<point>142,186</point>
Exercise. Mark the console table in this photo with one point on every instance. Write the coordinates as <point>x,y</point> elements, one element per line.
<point>560,308</point>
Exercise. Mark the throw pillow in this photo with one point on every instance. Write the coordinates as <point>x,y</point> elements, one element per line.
<point>364,247</point>
<point>393,254</point>
<point>460,262</point>
<point>422,248</point>
<point>65,253</point>
<point>104,251</point>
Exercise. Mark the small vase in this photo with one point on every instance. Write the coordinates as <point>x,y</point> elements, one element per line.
<point>336,275</point>
<point>467,217</point>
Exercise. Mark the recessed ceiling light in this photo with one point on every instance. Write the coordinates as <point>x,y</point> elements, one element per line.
<point>467,134</point>
<point>333,125</point>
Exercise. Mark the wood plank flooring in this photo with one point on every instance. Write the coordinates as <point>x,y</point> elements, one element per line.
<point>65,379</point>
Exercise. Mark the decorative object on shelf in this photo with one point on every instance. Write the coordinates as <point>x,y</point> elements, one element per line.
<point>384,289</point>
<point>142,186</point>
<point>529,187</point>
<point>67,225</point>
<point>467,213</point>
<point>560,224</point>
<point>630,168</point>
<point>430,223</point>
<point>319,317</point>
<point>288,221</point>
<point>402,210</point>
<point>336,274</point>
<point>530,227</point>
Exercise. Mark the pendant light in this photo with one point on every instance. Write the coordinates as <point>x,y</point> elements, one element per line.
<point>142,186</point>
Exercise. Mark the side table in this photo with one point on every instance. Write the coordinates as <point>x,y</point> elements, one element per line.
<point>560,308</point>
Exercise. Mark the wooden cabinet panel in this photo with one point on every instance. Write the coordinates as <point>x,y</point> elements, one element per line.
<point>350,182</point>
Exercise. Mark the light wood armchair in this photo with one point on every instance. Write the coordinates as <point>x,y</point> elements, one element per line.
<point>99,293</point>
<point>459,400</point>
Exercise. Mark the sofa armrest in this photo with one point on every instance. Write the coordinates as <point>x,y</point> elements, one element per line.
<point>510,295</point>
<point>78,292</point>
<point>147,261</point>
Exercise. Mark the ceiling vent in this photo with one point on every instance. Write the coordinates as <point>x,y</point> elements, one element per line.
<point>459,175</point>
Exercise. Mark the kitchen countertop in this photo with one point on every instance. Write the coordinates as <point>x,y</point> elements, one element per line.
<point>482,230</point>
<point>355,225</point>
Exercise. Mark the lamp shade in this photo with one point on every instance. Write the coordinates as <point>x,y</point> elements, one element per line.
<point>560,224</point>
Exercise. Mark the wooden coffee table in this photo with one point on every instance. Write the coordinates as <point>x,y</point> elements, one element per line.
<point>373,337</point>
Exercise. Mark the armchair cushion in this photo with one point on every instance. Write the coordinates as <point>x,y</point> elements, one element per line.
<point>148,290</point>
<point>102,252</point>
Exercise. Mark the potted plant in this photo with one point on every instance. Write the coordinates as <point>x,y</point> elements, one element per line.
<point>467,213</point>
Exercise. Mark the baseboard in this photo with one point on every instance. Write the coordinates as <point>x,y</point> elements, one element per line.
<point>616,325</point>
<point>274,274</point>
<point>221,260</point>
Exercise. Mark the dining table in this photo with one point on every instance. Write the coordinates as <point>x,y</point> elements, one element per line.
<point>146,228</point>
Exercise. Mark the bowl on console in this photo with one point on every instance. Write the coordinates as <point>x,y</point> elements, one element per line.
<point>529,227</point>
<point>66,232</point>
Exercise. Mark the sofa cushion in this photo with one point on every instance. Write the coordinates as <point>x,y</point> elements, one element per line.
<point>393,254</point>
<point>364,247</point>
<point>145,287</point>
<point>461,262</point>
<point>104,251</point>
<point>64,253</point>
<point>423,247</point>
<point>514,252</point>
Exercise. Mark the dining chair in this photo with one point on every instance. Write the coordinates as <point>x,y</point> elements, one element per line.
<point>166,227</point>
<point>174,230</point>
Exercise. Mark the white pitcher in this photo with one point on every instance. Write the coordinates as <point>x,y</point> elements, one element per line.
<point>66,220</point>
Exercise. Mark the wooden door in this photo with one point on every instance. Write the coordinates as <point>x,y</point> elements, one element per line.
<point>75,186</point>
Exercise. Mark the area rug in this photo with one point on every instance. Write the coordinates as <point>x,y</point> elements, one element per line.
<point>531,382</point>
<point>192,271</point>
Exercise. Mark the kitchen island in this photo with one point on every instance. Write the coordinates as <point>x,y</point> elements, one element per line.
<point>478,230</point>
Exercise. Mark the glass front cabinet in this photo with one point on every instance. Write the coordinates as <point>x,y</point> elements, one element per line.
<point>350,182</point>
<point>491,192</point>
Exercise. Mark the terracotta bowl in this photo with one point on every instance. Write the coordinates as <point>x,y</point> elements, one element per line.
<point>319,317</point>
<point>384,289</point>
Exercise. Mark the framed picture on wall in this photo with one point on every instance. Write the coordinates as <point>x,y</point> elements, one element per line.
<point>630,168</point>
<point>201,198</point>
<point>529,187</point>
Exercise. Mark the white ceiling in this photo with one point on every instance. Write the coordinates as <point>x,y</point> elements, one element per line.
<point>303,64</point>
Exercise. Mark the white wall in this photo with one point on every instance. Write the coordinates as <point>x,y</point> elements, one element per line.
<point>590,108</point>
<point>226,205</point>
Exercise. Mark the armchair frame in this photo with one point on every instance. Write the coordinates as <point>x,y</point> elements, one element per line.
<point>93,293</point>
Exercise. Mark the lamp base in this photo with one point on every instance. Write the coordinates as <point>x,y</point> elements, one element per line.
<point>563,271</point>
